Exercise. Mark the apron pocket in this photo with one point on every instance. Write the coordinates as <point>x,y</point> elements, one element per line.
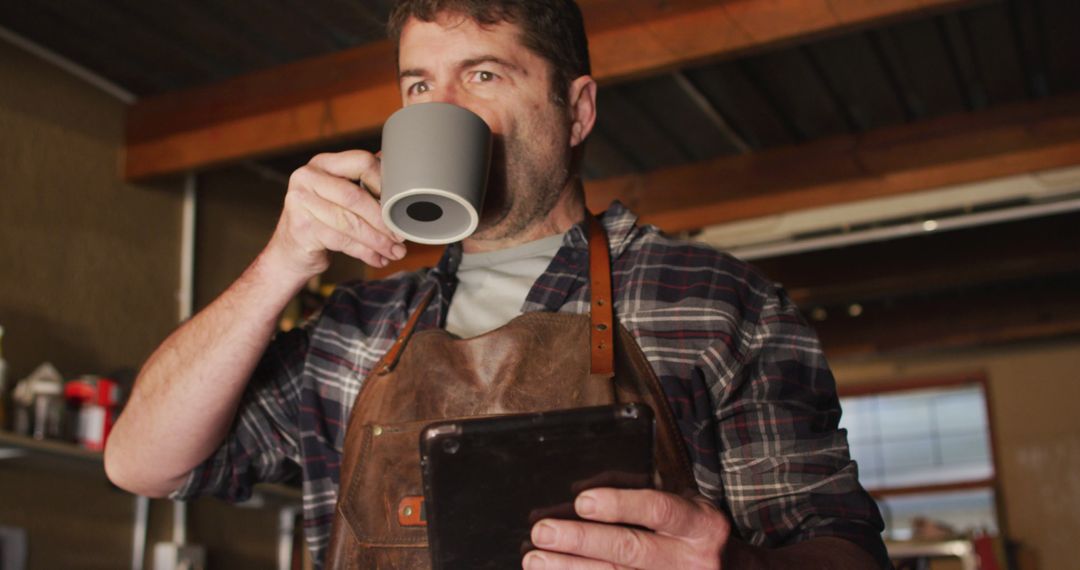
<point>387,471</point>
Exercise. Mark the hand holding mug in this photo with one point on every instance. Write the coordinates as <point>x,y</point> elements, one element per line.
<point>331,205</point>
<point>435,163</point>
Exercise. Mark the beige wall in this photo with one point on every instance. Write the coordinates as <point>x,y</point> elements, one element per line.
<point>237,213</point>
<point>88,281</point>
<point>88,264</point>
<point>1035,407</point>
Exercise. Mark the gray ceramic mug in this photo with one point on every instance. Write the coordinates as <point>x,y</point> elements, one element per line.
<point>435,161</point>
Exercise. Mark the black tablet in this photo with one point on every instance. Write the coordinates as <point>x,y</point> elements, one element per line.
<point>487,480</point>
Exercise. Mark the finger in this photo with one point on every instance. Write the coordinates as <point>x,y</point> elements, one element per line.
<point>345,194</point>
<point>541,560</point>
<point>352,165</point>
<point>358,231</point>
<point>664,513</point>
<point>611,543</point>
<point>337,241</point>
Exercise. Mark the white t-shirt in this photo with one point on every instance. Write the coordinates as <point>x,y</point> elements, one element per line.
<point>493,286</point>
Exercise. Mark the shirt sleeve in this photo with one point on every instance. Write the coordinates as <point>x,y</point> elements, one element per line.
<point>263,442</point>
<point>786,472</point>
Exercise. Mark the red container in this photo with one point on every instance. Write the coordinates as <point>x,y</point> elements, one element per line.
<point>95,400</point>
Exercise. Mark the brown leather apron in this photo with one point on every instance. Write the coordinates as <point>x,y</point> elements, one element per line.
<point>538,361</point>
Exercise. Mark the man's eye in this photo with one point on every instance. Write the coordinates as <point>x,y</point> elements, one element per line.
<point>418,88</point>
<point>484,76</point>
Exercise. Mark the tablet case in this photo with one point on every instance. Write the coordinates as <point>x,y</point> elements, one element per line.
<point>488,480</point>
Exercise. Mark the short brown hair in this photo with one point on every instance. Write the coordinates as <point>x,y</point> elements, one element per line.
<point>553,29</point>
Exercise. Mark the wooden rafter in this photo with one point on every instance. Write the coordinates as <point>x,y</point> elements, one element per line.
<point>1032,310</point>
<point>960,149</point>
<point>930,264</point>
<point>350,93</point>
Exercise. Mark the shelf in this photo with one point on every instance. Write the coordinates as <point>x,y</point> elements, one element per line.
<point>958,548</point>
<point>14,445</point>
<point>53,454</point>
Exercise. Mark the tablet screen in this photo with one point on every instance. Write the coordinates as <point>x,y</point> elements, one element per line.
<point>486,481</point>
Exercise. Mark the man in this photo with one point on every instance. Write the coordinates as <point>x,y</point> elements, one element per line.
<point>218,406</point>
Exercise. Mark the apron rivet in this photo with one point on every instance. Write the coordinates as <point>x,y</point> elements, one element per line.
<point>407,511</point>
<point>377,430</point>
<point>601,327</point>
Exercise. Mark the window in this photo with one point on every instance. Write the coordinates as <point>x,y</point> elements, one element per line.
<point>924,450</point>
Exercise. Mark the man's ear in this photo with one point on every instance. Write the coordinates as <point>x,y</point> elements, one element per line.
<point>582,99</point>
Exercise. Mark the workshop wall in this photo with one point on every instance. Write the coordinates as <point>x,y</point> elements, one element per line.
<point>88,281</point>
<point>88,263</point>
<point>1034,395</point>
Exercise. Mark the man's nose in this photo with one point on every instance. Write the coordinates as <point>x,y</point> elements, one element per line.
<point>447,94</point>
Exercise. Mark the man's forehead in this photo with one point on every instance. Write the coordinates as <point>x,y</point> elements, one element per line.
<point>459,34</point>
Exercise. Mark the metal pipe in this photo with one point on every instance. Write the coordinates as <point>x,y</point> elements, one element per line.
<point>67,65</point>
<point>715,117</point>
<point>179,529</point>
<point>905,230</point>
<point>186,303</point>
<point>286,527</point>
<point>186,293</point>
<point>138,544</point>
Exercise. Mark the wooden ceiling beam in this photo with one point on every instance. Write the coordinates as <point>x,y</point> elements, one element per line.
<point>1035,310</point>
<point>965,148</point>
<point>960,149</point>
<point>931,263</point>
<point>350,93</point>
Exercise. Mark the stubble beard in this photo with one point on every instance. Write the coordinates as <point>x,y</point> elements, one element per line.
<point>523,189</point>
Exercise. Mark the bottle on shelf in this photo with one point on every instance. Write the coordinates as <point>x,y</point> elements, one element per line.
<point>39,404</point>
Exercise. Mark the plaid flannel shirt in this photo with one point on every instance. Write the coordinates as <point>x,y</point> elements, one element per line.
<point>746,378</point>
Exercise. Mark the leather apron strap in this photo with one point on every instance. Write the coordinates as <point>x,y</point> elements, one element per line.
<point>601,331</point>
<point>389,360</point>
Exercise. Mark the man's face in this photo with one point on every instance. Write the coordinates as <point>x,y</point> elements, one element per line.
<point>488,71</point>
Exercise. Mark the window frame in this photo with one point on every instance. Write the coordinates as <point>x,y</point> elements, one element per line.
<point>930,382</point>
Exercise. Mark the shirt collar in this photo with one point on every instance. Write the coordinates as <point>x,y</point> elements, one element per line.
<point>568,271</point>
<point>618,222</point>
